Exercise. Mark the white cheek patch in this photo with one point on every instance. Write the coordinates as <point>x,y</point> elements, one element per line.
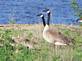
<point>41,16</point>
<point>48,11</point>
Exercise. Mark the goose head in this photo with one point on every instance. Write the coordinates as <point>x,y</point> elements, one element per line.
<point>48,15</point>
<point>42,16</point>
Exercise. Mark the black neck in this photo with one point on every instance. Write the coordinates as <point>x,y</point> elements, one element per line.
<point>43,21</point>
<point>48,20</point>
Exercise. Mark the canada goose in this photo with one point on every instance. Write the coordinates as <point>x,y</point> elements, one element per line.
<point>52,36</point>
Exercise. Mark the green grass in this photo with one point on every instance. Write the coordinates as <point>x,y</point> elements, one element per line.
<point>43,50</point>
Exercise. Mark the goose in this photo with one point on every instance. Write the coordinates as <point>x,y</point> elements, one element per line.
<point>53,36</point>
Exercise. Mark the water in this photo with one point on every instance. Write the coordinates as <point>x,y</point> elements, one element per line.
<point>25,11</point>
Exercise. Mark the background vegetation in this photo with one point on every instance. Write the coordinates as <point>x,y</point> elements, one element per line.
<point>77,8</point>
<point>42,50</point>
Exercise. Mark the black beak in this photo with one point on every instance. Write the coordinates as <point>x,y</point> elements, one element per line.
<point>39,14</point>
<point>45,10</point>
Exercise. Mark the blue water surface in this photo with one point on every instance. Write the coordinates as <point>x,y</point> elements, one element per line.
<point>25,11</point>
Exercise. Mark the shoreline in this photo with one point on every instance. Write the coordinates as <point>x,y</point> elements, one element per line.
<point>37,26</point>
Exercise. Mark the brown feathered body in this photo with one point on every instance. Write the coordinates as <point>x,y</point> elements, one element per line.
<point>52,36</point>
